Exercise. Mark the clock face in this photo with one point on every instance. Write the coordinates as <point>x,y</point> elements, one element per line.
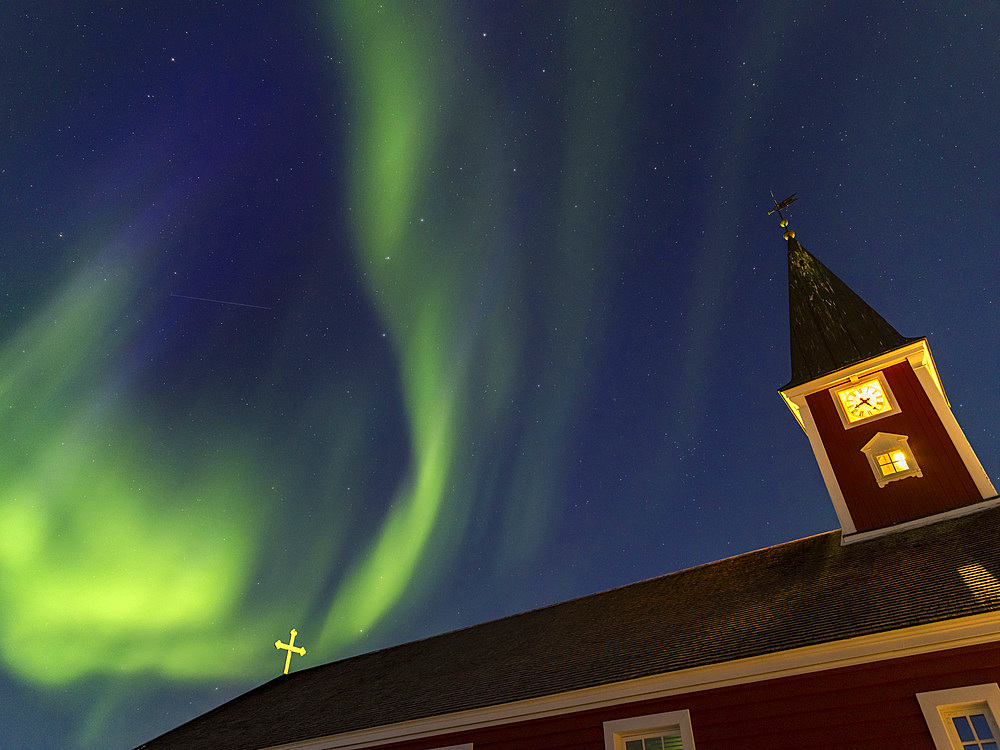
<point>864,400</point>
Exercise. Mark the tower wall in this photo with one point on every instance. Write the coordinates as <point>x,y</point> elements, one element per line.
<point>946,482</point>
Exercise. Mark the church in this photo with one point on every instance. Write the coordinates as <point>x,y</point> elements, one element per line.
<point>884,633</point>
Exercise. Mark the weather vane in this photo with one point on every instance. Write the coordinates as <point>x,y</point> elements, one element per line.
<point>290,647</point>
<point>777,209</point>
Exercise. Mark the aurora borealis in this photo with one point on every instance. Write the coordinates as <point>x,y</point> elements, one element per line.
<point>499,315</point>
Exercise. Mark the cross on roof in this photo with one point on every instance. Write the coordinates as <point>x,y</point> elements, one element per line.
<point>290,647</point>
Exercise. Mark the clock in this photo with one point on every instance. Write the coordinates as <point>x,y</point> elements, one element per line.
<point>865,399</point>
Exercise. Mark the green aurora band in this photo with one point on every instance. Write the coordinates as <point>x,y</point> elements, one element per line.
<point>410,281</point>
<point>460,347</point>
<point>107,563</point>
<point>123,571</point>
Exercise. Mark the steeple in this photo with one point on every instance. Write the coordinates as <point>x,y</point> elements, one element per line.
<point>870,400</point>
<point>830,326</point>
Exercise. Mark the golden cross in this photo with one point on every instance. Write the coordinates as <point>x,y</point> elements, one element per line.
<point>290,647</point>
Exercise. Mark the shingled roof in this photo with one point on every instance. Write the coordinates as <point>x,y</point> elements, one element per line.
<point>830,326</point>
<point>801,593</point>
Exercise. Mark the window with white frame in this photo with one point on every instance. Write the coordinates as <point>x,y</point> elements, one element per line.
<point>666,731</point>
<point>890,458</point>
<point>963,718</point>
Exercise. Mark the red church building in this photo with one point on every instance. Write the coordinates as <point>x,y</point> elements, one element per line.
<point>881,634</point>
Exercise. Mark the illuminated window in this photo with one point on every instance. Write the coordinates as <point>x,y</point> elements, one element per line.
<point>890,458</point>
<point>963,718</point>
<point>891,463</point>
<point>666,731</point>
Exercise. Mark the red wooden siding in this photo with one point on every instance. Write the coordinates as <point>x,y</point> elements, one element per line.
<point>946,483</point>
<point>865,707</point>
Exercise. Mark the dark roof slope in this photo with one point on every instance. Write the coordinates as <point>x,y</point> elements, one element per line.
<point>831,327</point>
<point>801,593</point>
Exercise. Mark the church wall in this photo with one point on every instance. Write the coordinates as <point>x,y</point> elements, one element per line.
<point>867,706</point>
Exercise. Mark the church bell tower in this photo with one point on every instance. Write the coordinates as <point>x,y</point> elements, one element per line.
<point>871,402</point>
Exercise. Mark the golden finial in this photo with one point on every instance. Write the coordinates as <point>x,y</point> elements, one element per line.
<point>290,647</point>
<point>777,209</point>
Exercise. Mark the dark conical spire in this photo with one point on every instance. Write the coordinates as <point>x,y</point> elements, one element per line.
<point>831,327</point>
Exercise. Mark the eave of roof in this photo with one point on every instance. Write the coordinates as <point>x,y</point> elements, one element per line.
<point>801,593</point>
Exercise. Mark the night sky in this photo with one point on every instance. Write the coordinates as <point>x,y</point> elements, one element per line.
<point>381,320</point>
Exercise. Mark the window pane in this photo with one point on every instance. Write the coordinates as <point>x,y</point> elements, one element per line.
<point>989,746</point>
<point>982,727</point>
<point>963,728</point>
<point>671,740</point>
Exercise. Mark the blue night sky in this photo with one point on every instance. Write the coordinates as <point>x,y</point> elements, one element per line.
<point>381,320</point>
